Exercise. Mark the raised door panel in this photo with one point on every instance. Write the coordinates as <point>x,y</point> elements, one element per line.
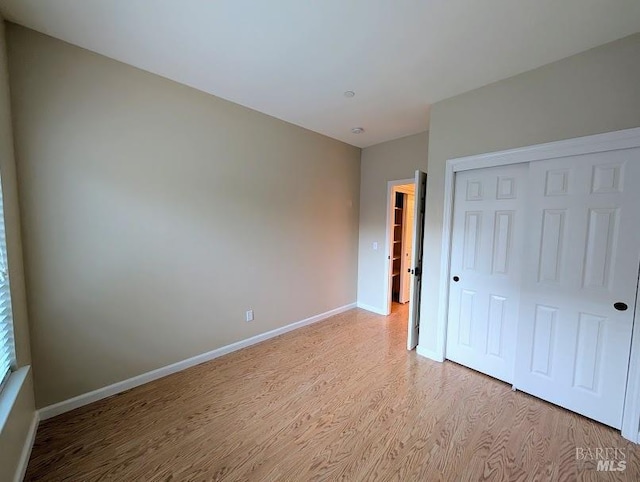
<point>496,326</point>
<point>544,340</point>
<point>552,245</point>
<point>471,238</point>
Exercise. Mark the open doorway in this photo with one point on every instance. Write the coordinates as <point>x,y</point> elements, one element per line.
<point>401,243</point>
<point>405,225</point>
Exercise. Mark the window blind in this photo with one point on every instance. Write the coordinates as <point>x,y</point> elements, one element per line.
<point>7,354</point>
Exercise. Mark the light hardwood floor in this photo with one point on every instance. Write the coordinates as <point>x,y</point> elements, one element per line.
<point>339,400</point>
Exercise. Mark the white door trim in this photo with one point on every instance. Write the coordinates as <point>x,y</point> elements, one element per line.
<point>631,412</point>
<point>386,302</point>
<point>624,139</point>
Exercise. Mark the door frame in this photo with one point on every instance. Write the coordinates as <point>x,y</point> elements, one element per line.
<point>610,141</point>
<point>406,264</point>
<point>391,185</point>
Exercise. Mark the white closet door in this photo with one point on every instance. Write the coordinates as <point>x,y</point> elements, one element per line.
<point>487,239</point>
<point>581,254</point>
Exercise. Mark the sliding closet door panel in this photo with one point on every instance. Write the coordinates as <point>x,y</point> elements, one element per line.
<point>582,247</point>
<point>487,239</point>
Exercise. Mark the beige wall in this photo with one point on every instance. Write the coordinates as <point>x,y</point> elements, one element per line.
<point>592,92</point>
<point>389,161</point>
<point>14,432</point>
<point>154,215</point>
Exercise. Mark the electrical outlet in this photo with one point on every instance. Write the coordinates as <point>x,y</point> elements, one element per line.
<point>249,315</point>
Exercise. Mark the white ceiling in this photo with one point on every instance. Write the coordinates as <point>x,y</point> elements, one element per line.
<point>293,59</point>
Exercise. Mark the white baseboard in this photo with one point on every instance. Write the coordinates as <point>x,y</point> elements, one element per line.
<point>427,353</point>
<point>118,387</point>
<point>26,449</point>
<point>373,309</point>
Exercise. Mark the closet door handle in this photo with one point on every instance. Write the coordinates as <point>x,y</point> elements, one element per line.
<point>620,306</point>
<point>456,279</point>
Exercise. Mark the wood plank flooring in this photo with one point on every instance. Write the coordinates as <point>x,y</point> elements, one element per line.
<point>338,400</point>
